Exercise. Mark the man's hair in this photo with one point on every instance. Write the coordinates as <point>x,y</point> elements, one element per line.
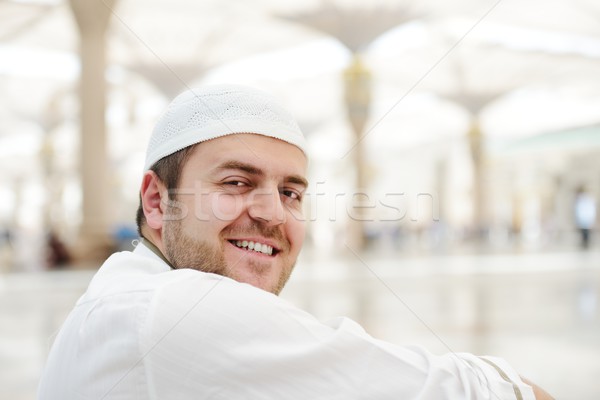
<point>168,170</point>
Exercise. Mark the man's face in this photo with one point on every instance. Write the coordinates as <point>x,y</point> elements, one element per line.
<point>238,210</point>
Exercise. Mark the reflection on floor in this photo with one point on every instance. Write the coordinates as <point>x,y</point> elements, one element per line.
<point>539,311</point>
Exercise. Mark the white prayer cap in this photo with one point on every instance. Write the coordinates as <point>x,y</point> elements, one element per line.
<point>213,111</point>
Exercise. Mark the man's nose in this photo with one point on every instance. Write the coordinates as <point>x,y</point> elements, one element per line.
<point>267,207</point>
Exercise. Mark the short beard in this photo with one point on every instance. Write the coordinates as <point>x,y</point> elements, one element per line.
<point>184,251</point>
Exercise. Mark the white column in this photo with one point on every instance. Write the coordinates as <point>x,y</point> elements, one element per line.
<point>480,217</point>
<point>92,18</point>
<point>357,79</point>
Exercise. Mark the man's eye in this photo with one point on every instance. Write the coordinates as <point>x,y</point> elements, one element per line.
<point>236,183</point>
<point>291,194</point>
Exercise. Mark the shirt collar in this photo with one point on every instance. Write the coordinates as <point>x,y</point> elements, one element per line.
<point>145,244</point>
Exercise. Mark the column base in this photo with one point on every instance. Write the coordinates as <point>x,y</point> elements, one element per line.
<point>91,249</point>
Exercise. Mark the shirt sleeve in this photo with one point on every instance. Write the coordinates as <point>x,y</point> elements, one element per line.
<point>210,337</point>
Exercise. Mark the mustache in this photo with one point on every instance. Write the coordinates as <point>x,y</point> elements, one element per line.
<point>257,229</point>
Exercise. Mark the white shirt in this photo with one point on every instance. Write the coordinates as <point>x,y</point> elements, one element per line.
<point>144,331</point>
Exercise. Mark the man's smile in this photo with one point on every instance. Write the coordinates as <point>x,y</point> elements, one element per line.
<point>255,246</point>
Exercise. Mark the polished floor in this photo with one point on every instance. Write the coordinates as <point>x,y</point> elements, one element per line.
<point>540,311</point>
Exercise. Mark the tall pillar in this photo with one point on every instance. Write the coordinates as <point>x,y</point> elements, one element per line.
<point>92,18</point>
<point>480,222</point>
<point>357,98</point>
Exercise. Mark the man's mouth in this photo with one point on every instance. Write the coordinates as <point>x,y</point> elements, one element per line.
<point>255,246</point>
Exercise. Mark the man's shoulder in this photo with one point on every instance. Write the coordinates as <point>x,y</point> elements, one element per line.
<point>128,272</point>
<point>130,281</point>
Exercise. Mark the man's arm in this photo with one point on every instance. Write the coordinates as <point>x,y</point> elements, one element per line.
<point>209,334</point>
<point>540,394</point>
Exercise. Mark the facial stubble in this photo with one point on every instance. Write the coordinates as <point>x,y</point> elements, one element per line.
<point>185,251</point>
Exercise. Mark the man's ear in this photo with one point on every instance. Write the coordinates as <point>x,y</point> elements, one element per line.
<point>151,193</point>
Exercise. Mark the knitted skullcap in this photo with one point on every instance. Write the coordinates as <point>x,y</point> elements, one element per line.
<point>213,111</point>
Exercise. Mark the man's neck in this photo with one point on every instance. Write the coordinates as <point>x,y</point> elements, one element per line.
<point>156,251</point>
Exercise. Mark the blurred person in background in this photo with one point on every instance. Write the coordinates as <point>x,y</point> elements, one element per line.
<point>585,215</point>
<point>5,249</point>
<point>193,312</point>
<point>57,254</point>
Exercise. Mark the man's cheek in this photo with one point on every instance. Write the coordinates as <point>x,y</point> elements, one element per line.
<point>296,231</point>
<point>225,207</point>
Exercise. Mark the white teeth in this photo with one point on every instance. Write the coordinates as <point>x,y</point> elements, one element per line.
<point>259,247</point>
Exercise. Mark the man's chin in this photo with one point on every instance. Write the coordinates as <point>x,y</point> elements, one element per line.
<point>266,276</point>
<point>259,276</point>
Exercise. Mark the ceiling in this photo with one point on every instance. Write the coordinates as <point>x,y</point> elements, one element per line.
<point>521,68</point>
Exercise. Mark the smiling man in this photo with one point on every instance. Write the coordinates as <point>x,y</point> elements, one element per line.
<point>237,212</point>
<point>193,311</point>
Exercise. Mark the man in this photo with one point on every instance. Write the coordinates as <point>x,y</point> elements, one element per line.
<point>585,215</point>
<point>192,312</point>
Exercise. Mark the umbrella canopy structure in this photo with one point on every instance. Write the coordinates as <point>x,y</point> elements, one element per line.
<point>477,73</point>
<point>433,71</point>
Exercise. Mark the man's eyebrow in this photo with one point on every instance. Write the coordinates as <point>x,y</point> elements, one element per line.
<point>298,180</point>
<point>253,170</point>
<point>248,168</point>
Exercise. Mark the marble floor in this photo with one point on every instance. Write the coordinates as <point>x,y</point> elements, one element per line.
<point>540,311</point>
